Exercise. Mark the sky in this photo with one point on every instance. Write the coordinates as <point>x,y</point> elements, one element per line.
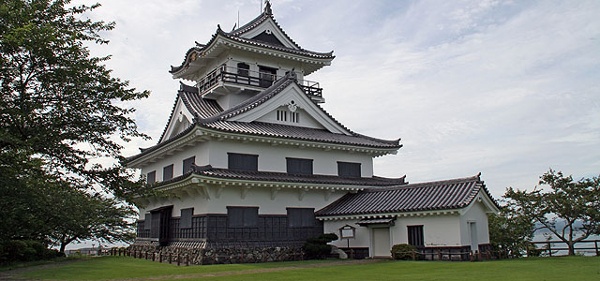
<point>508,89</point>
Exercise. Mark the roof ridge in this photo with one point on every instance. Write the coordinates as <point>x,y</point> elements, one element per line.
<point>475,178</point>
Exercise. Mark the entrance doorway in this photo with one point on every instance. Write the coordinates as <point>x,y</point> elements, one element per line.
<point>473,233</point>
<point>381,242</point>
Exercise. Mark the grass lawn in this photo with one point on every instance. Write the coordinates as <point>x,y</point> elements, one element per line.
<point>123,268</point>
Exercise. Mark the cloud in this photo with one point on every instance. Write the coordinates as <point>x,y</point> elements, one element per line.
<point>505,88</point>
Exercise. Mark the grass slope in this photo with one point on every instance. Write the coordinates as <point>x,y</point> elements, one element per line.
<point>121,268</point>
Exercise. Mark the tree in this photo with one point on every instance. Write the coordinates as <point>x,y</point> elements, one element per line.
<point>510,231</point>
<point>59,104</point>
<point>61,111</point>
<point>569,209</point>
<point>88,216</point>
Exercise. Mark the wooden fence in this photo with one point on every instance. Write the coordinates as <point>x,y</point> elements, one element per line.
<point>178,259</point>
<point>558,248</point>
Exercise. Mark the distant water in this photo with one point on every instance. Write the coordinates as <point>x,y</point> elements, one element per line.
<point>545,235</point>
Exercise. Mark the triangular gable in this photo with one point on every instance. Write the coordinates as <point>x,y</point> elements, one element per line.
<point>485,200</point>
<point>269,32</point>
<point>291,100</point>
<point>181,119</point>
<point>264,28</point>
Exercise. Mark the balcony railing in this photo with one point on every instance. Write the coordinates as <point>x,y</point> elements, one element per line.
<point>246,77</point>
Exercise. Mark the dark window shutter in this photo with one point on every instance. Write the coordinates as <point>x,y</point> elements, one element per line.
<point>147,221</point>
<point>242,216</point>
<point>185,221</point>
<point>168,172</point>
<point>348,169</point>
<point>301,217</point>
<point>242,162</point>
<point>188,164</point>
<point>243,69</point>
<point>299,166</point>
<point>151,177</point>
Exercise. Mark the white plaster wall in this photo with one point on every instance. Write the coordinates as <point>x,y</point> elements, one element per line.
<point>272,158</point>
<point>361,237</point>
<point>254,197</point>
<point>476,213</point>
<point>199,150</point>
<point>442,230</point>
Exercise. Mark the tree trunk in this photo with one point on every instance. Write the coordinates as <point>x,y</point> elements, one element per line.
<point>63,245</point>
<point>571,248</point>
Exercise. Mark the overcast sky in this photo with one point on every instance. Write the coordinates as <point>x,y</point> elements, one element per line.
<point>508,89</point>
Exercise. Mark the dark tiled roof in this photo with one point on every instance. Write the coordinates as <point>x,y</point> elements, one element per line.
<point>235,35</point>
<point>211,172</point>
<point>208,114</point>
<point>440,195</point>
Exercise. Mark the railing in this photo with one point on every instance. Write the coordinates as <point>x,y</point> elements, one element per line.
<point>247,77</point>
<point>560,248</point>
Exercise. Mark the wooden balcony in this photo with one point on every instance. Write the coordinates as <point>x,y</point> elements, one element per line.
<point>233,76</point>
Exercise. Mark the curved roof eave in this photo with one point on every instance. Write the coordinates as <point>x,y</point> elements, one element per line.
<point>198,51</point>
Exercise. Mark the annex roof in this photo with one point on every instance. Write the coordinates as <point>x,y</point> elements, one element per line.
<point>439,195</point>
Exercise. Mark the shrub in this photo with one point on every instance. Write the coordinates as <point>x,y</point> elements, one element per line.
<point>403,252</point>
<point>317,248</point>
<point>25,250</point>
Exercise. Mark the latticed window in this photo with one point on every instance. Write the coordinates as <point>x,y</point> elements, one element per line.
<point>415,235</point>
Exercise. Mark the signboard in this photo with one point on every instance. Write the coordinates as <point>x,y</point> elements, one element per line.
<point>347,232</point>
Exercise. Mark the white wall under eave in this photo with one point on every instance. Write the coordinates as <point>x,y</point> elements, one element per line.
<point>269,201</point>
<point>475,213</point>
<point>273,158</point>
<point>199,150</point>
<point>438,231</point>
<point>361,238</point>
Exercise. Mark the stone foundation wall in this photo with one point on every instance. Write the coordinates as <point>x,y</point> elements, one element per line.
<point>199,253</point>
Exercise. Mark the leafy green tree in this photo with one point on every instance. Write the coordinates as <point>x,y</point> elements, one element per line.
<point>61,111</point>
<point>60,104</point>
<point>510,231</point>
<point>569,209</point>
<point>88,216</point>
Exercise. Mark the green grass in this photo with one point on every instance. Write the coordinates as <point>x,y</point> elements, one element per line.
<point>119,268</point>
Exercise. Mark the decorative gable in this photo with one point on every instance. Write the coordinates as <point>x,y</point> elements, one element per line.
<point>181,119</point>
<point>291,106</point>
<point>268,32</point>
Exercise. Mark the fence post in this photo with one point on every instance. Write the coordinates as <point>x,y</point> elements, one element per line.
<point>549,249</point>
<point>596,246</point>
